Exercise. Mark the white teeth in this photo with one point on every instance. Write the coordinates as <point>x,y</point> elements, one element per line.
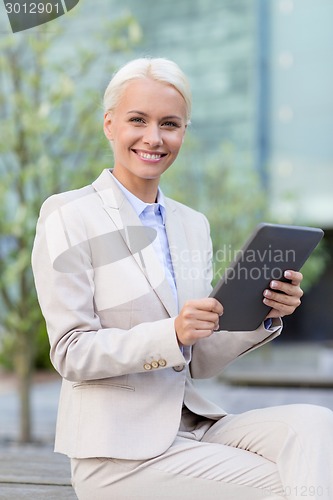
<point>148,156</point>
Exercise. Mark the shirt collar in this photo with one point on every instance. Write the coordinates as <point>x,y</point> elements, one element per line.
<point>139,205</point>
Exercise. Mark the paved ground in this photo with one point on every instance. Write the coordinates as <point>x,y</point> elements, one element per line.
<point>35,472</point>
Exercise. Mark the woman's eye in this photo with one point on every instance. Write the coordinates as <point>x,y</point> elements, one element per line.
<point>171,124</point>
<point>136,119</point>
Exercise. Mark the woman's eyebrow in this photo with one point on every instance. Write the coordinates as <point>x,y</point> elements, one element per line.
<point>137,112</point>
<point>172,117</point>
<point>168,117</point>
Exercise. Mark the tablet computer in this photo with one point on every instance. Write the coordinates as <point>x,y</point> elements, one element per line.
<point>271,250</point>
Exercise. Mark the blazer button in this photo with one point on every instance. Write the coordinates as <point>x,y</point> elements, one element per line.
<point>179,368</point>
<point>154,364</point>
<point>162,362</point>
<point>147,366</point>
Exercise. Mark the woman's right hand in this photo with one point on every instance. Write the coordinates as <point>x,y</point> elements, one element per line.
<point>197,319</point>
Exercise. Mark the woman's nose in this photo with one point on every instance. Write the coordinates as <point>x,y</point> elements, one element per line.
<point>153,136</point>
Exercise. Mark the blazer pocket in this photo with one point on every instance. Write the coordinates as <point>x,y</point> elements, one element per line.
<point>103,383</point>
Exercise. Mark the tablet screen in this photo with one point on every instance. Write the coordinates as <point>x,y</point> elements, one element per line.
<point>271,250</point>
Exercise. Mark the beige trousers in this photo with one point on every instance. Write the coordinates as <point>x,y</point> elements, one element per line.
<point>283,452</point>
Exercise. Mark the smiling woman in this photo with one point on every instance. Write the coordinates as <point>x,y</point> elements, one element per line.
<point>123,276</point>
<point>145,137</point>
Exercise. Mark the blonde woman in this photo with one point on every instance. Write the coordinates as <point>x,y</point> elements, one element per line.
<point>130,325</point>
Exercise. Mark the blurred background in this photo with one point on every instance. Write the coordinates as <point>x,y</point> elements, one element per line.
<point>260,147</point>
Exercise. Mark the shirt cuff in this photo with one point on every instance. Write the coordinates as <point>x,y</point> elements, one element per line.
<point>268,323</point>
<point>187,353</point>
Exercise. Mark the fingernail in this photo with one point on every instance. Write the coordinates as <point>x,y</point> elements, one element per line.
<point>287,274</point>
<point>274,284</point>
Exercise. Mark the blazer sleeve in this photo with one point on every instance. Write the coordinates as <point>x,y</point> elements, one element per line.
<point>81,348</point>
<point>210,356</point>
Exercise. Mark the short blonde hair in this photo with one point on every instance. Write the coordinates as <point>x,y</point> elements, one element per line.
<point>159,69</point>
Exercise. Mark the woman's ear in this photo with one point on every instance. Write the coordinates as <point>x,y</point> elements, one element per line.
<point>108,126</point>
<point>183,139</point>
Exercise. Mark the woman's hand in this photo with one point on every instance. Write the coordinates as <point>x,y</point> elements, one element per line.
<point>286,302</point>
<point>197,319</point>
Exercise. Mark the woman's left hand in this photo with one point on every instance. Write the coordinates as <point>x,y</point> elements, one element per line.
<point>284,303</point>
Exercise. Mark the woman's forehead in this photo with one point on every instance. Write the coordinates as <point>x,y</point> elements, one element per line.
<point>148,93</point>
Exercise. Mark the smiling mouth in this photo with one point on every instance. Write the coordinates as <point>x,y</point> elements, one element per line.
<point>149,156</point>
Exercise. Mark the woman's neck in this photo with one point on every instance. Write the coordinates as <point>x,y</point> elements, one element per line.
<point>144,189</point>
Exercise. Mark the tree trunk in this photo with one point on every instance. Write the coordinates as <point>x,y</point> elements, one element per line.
<point>24,372</point>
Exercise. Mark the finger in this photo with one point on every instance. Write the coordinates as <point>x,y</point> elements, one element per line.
<point>205,325</point>
<point>279,311</point>
<point>294,276</point>
<point>217,326</point>
<point>283,306</point>
<point>282,298</point>
<point>213,305</point>
<point>283,302</point>
<point>194,315</point>
<point>286,288</point>
<point>206,304</point>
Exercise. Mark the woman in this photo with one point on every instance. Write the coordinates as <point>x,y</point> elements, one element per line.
<point>130,326</point>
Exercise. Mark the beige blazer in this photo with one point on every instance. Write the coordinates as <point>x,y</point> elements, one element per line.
<point>109,312</point>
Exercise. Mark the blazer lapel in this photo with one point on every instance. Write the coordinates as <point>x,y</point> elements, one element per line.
<point>180,253</point>
<point>137,238</point>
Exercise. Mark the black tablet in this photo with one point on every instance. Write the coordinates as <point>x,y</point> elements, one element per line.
<point>271,250</point>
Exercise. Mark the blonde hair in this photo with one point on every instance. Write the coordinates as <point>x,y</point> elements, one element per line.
<point>159,69</point>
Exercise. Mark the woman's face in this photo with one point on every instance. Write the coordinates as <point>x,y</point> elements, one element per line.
<point>146,129</point>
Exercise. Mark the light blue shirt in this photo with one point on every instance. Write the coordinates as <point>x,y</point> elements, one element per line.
<point>153,215</point>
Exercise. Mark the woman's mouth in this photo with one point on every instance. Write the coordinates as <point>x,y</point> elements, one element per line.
<point>150,156</point>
